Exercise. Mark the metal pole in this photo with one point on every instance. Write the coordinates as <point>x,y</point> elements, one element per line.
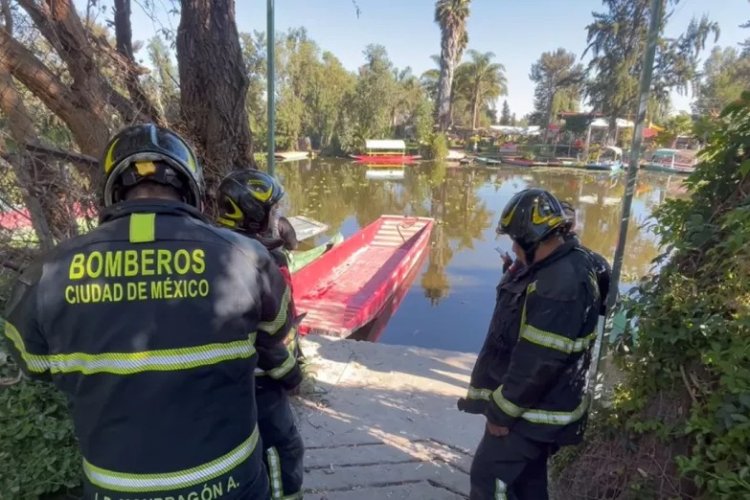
<point>271,90</point>
<point>657,7</point>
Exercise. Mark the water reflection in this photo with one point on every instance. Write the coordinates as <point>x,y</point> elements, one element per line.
<point>453,301</point>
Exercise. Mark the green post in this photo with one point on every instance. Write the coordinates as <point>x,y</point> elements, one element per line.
<point>271,90</point>
<point>656,10</point>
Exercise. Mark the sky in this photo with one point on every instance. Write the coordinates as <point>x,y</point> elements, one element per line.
<point>517,31</point>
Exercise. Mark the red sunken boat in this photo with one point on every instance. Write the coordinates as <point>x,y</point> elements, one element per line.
<point>351,284</point>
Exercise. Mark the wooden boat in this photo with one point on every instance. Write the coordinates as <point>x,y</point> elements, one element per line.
<point>385,151</point>
<point>306,228</point>
<point>300,258</point>
<point>372,331</point>
<point>488,161</point>
<point>350,284</point>
<point>609,159</point>
<point>673,161</point>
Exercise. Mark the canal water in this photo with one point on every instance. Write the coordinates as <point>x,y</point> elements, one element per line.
<point>450,301</point>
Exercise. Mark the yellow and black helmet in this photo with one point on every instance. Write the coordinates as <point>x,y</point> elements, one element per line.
<point>150,153</point>
<point>246,198</point>
<point>531,216</point>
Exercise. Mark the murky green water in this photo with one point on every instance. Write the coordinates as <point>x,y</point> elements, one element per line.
<point>450,302</point>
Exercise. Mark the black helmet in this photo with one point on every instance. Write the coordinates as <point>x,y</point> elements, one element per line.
<point>147,152</point>
<point>246,198</point>
<point>570,213</point>
<point>531,216</point>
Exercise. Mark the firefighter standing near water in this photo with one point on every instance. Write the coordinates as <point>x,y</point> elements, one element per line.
<point>248,203</point>
<point>530,377</point>
<point>150,325</point>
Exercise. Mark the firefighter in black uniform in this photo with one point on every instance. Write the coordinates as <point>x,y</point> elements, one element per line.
<point>152,325</point>
<point>247,202</point>
<point>529,379</point>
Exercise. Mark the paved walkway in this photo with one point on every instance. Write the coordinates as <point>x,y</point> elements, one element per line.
<point>380,422</point>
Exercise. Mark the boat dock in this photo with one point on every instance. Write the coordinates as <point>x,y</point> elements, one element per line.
<point>381,420</point>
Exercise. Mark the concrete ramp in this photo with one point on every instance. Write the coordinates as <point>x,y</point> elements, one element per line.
<point>380,421</point>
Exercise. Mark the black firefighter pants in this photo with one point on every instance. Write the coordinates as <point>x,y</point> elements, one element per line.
<point>509,468</point>
<point>281,440</point>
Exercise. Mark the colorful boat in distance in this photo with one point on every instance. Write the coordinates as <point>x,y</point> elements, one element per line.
<point>350,285</point>
<point>676,161</point>
<point>387,151</point>
<point>610,158</point>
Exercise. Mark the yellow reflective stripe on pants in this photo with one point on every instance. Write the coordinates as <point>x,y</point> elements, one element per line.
<point>273,327</point>
<point>500,490</point>
<point>34,362</point>
<point>284,368</point>
<point>274,472</point>
<point>554,341</point>
<point>150,483</point>
<point>507,406</point>
<point>476,393</point>
<point>539,416</point>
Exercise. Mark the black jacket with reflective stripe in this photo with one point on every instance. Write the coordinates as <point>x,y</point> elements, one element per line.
<point>271,373</point>
<point>149,324</point>
<point>531,372</point>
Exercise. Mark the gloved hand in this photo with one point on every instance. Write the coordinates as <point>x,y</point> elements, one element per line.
<point>462,404</point>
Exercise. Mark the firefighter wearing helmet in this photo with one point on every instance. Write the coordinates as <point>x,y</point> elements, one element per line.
<point>248,204</point>
<point>152,325</point>
<point>529,378</point>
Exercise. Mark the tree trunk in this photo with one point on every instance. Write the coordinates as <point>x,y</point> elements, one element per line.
<point>548,118</point>
<point>124,39</point>
<point>213,85</point>
<point>448,56</point>
<point>475,109</point>
<point>43,194</point>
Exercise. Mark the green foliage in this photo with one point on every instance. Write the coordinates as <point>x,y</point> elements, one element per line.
<point>694,318</point>
<point>677,125</point>
<point>726,73</point>
<point>438,147</point>
<point>39,452</point>
<point>478,83</point>
<point>617,56</point>
<point>558,83</point>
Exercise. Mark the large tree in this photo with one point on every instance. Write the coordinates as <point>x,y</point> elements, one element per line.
<point>213,84</point>
<point>480,81</point>
<point>558,80</point>
<point>617,41</point>
<point>726,74</point>
<point>452,16</point>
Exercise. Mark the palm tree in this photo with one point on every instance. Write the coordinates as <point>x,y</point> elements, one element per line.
<point>480,80</point>
<point>451,15</point>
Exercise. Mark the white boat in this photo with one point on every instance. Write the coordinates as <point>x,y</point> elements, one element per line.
<point>305,227</point>
<point>292,155</point>
<point>610,158</point>
<point>678,161</point>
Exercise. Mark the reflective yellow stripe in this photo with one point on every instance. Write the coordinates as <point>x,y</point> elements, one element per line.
<point>500,490</point>
<point>273,327</point>
<point>274,469</point>
<point>128,363</point>
<point>142,228</point>
<point>282,370</point>
<point>475,393</point>
<point>150,483</point>
<point>554,341</point>
<point>539,416</point>
<point>34,362</point>
<point>508,407</point>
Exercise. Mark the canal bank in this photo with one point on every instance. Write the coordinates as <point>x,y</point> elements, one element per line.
<point>381,420</point>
